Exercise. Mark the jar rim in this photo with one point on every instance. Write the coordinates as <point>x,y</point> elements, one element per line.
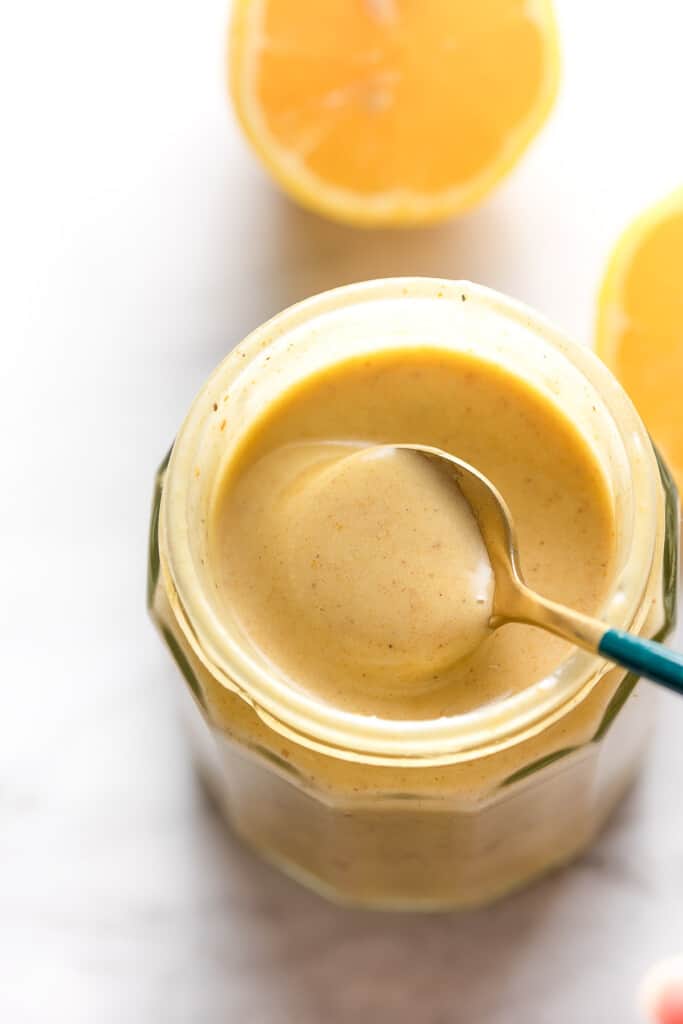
<point>371,739</point>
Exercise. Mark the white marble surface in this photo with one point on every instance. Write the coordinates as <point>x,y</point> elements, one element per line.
<point>139,241</point>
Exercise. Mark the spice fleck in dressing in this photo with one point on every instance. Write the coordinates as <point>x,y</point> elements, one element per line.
<point>362,576</point>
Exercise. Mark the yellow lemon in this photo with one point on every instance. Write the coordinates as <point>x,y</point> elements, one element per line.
<point>389,112</point>
<point>640,322</point>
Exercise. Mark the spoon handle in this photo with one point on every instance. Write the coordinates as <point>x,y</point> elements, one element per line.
<point>647,658</point>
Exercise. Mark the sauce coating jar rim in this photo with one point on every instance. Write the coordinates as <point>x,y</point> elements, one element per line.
<point>355,319</point>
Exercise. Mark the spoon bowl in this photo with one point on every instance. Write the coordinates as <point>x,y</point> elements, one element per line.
<point>515,601</point>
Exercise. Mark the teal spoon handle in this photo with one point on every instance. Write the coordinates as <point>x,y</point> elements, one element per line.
<point>645,657</point>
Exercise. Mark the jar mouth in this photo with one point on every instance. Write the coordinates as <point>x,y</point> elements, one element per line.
<point>233,396</point>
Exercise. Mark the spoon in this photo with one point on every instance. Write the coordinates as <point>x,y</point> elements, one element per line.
<point>514,601</point>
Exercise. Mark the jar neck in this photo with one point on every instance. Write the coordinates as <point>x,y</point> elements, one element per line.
<point>376,316</point>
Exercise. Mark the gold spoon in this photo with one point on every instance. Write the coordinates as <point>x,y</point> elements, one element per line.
<point>514,601</point>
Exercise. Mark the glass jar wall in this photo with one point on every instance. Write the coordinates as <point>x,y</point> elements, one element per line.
<point>425,815</point>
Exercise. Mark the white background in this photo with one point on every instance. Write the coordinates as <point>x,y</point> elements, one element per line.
<point>139,241</point>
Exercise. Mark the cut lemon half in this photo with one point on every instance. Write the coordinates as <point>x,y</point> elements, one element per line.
<point>640,322</point>
<point>388,112</point>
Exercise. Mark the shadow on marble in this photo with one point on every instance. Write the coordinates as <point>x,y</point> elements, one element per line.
<point>286,254</point>
<point>316,254</point>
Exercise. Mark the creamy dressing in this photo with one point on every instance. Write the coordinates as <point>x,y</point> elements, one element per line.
<point>360,573</point>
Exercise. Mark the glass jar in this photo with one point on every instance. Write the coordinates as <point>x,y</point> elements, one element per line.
<point>434,814</point>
